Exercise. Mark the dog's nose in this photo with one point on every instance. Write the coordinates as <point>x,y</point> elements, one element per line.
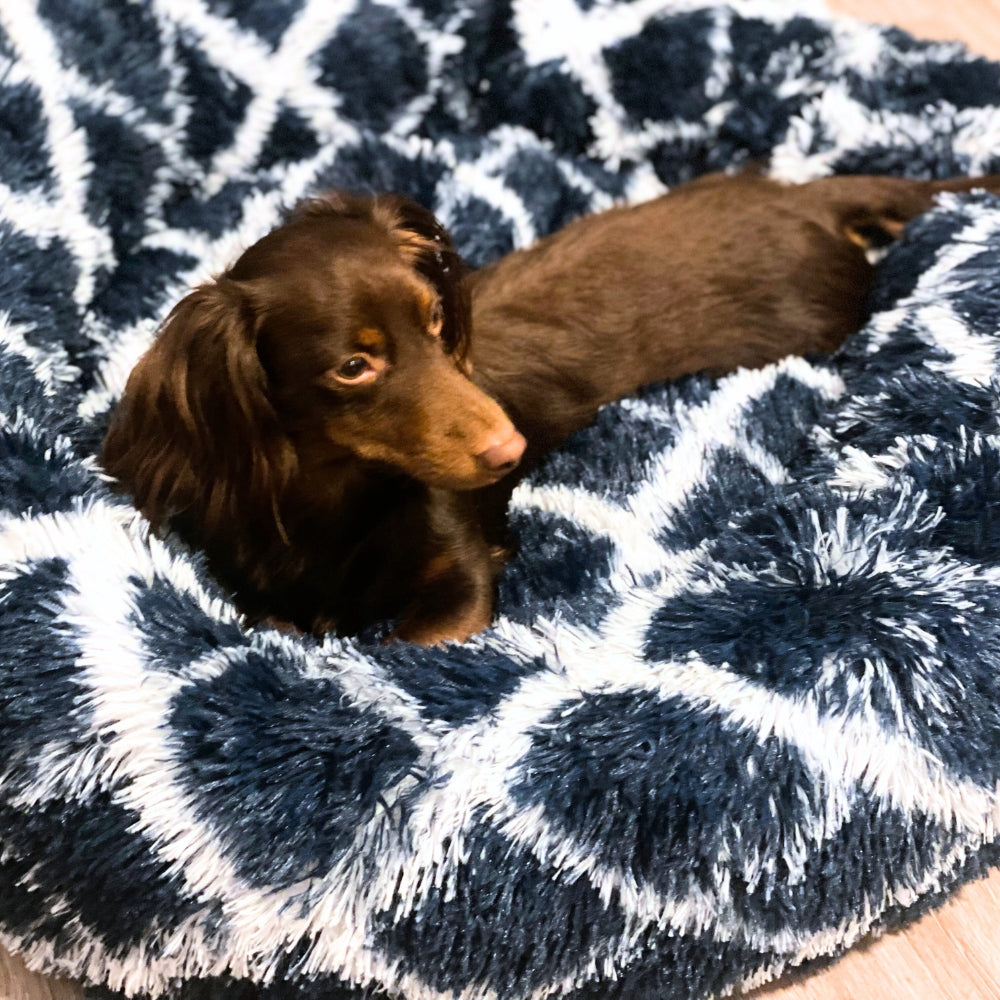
<point>503,454</point>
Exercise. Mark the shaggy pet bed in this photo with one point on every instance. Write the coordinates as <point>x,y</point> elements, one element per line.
<point>740,705</point>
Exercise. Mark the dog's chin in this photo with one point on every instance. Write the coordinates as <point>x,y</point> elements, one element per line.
<point>474,479</point>
<point>459,475</point>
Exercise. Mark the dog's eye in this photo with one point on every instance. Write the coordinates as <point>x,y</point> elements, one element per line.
<point>357,369</point>
<point>353,368</point>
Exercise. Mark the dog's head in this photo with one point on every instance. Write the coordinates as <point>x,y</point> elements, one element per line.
<point>343,333</point>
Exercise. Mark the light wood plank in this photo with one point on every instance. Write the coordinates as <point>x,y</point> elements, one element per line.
<point>975,22</point>
<point>17,983</point>
<point>952,953</point>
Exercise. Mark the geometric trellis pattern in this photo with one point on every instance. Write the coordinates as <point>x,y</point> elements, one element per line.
<point>741,701</point>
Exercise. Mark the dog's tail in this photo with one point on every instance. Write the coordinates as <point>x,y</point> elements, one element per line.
<point>872,211</point>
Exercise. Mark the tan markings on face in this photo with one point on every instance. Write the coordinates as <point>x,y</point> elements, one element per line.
<point>893,227</point>
<point>858,238</point>
<point>370,340</point>
<point>426,299</point>
<point>438,566</point>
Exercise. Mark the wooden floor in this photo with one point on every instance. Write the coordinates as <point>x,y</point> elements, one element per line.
<point>975,22</point>
<point>952,953</point>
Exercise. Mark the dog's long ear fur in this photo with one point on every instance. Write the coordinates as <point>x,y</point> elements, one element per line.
<point>195,431</point>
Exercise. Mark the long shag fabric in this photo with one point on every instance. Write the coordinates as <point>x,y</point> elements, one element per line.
<point>741,703</point>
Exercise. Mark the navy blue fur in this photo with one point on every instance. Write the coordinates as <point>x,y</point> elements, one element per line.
<point>22,132</point>
<point>40,697</point>
<point>160,608</point>
<point>547,195</point>
<point>141,278</point>
<point>566,575</point>
<point>376,63</point>
<point>37,285</point>
<point>587,460</point>
<point>660,73</point>
<point>685,967</point>
<point>471,683</point>
<point>672,831</point>
<point>216,102</point>
<point>840,550</point>
<point>116,42</point>
<point>816,897</point>
<point>911,256</point>
<point>510,935</point>
<point>24,396</point>
<point>917,405</point>
<point>214,215</point>
<point>310,770</point>
<point>36,479</point>
<point>733,484</point>
<point>291,139</point>
<point>268,18</point>
<point>116,197</point>
<point>373,166</point>
<point>129,891</point>
<point>481,233</point>
<point>782,422</point>
<point>963,482</point>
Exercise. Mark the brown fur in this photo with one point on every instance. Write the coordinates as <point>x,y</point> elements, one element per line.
<point>333,500</point>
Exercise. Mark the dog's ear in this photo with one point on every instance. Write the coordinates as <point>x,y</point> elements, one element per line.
<point>422,237</point>
<point>343,203</point>
<point>195,430</point>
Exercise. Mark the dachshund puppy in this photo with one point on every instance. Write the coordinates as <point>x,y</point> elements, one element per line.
<point>308,421</point>
<point>334,419</point>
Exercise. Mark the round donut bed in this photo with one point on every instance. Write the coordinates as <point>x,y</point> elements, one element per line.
<point>740,705</point>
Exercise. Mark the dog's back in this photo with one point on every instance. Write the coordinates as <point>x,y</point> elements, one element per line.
<point>722,273</point>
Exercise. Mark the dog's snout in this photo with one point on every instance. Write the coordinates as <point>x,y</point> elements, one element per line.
<point>503,452</point>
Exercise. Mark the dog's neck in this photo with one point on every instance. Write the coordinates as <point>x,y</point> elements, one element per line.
<point>345,490</point>
<point>331,522</point>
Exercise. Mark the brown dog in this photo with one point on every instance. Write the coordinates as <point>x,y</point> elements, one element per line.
<point>322,423</point>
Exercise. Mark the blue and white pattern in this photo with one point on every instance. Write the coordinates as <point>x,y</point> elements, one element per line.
<point>741,704</point>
